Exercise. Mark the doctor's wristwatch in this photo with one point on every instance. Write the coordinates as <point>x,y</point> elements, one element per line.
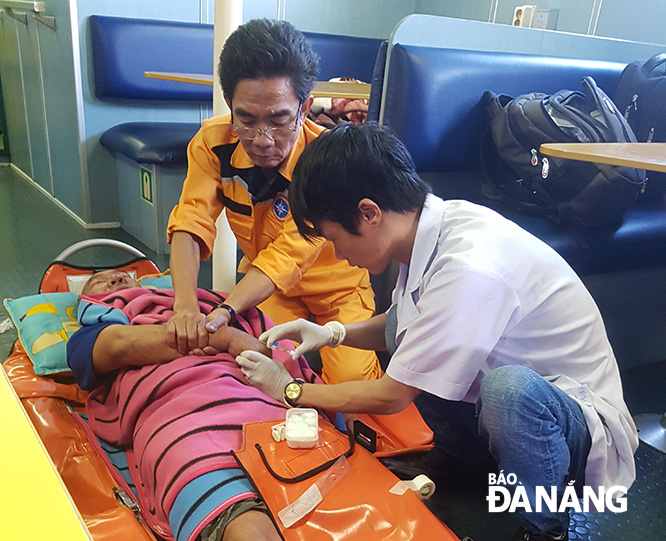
<point>293,391</point>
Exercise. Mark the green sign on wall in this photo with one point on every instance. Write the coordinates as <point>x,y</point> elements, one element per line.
<point>147,185</point>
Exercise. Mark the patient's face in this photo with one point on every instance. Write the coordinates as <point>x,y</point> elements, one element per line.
<point>109,281</point>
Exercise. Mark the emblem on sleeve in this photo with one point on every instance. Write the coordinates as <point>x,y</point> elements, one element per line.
<point>281,207</point>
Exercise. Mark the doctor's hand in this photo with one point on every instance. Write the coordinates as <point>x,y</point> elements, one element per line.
<point>262,372</point>
<point>310,335</point>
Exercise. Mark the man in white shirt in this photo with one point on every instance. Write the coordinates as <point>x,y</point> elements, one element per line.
<point>489,325</point>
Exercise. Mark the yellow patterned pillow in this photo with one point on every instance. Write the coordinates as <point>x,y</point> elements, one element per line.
<point>44,323</point>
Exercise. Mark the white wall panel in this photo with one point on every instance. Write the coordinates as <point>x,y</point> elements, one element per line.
<point>31,69</point>
<point>14,100</point>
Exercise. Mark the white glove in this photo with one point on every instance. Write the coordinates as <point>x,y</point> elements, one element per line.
<point>310,335</point>
<point>262,372</point>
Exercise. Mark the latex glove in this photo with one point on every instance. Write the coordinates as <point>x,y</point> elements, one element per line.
<point>262,372</point>
<point>310,335</point>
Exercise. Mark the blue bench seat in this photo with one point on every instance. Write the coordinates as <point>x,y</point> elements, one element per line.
<point>433,102</point>
<point>163,143</point>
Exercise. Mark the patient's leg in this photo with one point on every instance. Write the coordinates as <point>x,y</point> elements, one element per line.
<point>251,526</point>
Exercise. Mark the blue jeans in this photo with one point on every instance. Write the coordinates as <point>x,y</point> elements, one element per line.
<point>531,428</point>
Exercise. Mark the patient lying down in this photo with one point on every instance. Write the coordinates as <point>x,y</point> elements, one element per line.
<point>139,345</point>
<point>178,418</point>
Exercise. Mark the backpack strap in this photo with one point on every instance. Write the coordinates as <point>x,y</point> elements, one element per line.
<point>654,62</point>
<point>618,126</point>
<point>494,103</point>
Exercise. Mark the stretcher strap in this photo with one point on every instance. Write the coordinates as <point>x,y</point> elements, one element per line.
<point>312,472</point>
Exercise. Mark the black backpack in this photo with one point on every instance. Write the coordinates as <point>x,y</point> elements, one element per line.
<point>641,96</point>
<point>572,192</point>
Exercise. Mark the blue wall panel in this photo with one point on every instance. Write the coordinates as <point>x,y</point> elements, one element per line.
<point>641,21</point>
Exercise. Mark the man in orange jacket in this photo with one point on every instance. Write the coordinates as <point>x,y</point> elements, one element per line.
<point>243,162</point>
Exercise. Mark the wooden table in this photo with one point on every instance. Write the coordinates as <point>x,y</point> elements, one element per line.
<point>322,89</point>
<point>650,156</point>
<point>195,78</point>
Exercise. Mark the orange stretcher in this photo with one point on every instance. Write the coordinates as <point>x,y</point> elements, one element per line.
<point>52,455</point>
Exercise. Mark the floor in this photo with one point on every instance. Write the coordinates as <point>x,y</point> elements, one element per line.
<point>463,507</point>
<point>33,231</point>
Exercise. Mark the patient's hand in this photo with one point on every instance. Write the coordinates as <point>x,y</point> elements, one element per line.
<point>233,341</point>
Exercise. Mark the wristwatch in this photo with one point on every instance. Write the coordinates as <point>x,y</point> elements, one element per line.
<point>229,309</point>
<point>293,391</point>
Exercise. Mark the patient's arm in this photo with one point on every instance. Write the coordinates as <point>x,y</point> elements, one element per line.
<point>120,346</point>
<point>234,341</point>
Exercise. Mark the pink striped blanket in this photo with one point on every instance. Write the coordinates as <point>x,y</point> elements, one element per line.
<point>180,419</point>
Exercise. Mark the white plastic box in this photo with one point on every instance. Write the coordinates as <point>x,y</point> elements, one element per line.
<point>302,427</point>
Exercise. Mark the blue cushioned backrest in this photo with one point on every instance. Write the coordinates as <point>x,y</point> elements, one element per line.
<point>344,55</point>
<point>432,96</point>
<point>124,48</point>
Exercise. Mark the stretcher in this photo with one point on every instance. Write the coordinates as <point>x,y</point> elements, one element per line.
<point>67,475</point>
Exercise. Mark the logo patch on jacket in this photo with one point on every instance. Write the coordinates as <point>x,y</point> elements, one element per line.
<point>281,207</point>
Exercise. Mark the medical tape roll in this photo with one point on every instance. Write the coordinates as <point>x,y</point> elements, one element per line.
<point>421,485</point>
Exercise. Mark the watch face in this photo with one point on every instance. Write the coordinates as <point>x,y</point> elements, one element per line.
<point>293,390</point>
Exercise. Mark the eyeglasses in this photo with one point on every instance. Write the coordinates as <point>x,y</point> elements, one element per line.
<point>275,133</point>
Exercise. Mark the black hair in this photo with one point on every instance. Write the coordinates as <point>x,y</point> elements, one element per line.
<point>263,48</point>
<point>346,164</point>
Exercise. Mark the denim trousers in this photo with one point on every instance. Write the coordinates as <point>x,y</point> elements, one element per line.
<point>530,427</point>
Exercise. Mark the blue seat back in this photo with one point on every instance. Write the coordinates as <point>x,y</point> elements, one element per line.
<point>433,94</point>
<point>123,49</point>
<point>344,55</point>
